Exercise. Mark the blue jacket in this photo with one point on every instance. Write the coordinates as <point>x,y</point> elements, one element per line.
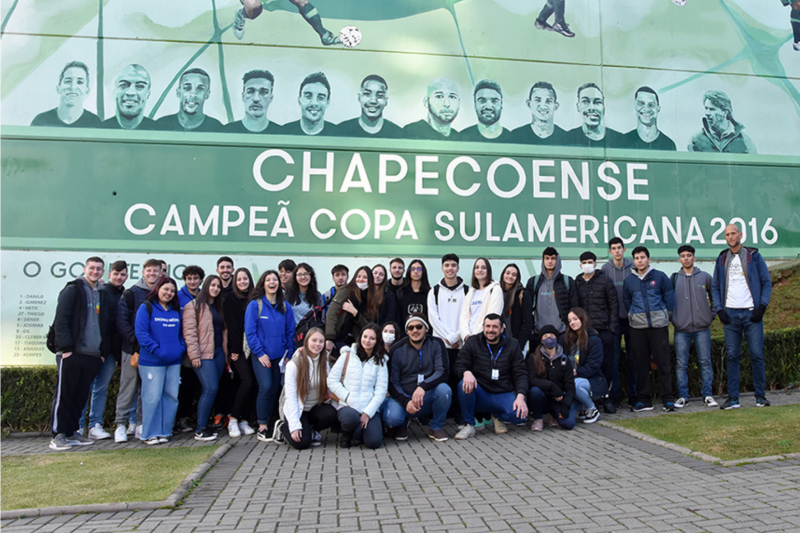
<point>184,296</point>
<point>649,299</point>
<point>271,332</point>
<point>758,279</point>
<point>160,338</point>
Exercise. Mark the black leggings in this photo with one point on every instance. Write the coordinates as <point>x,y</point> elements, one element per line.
<point>243,368</point>
<point>317,418</point>
<point>371,436</point>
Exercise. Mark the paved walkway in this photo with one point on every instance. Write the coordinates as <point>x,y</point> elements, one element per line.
<point>590,479</point>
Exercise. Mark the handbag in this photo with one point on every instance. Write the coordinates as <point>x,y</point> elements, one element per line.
<point>344,371</point>
<point>245,346</point>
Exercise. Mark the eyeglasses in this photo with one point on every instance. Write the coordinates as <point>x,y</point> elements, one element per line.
<point>303,275</point>
<point>414,327</point>
<point>416,269</point>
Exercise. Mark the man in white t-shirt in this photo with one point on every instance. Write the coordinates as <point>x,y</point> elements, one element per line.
<point>741,290</point>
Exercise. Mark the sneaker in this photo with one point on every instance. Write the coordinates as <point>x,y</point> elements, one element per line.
<point>137,433</point>
<point>316,438</point>
<point>466,432</point>
<point>78,440</point>
<point>730,403</point>
<point>538,425</point>
<point>277,434</point>
<point>438,435</point>
<point>263,435</point>
<point>581,414</point>
<point>59,443</point>
<point>710,402</point>
<point>563,29</point>
<point>218,422</point>
<point>552,422</point>
<point>499,426</point>
<point>482,423</point>
<point>245,428</point>
<point>81,431</point>
<point>401,432</point>
<point>204,434</point>
<point>163,440</point>
<point>238,23</point>
<point>152,441</point>
<point>182,426</point>
<point>329,39</point>
<point>120,434</point>
<point>131,429</point>
<point>762,402</point>
<point>668,407</point>
<point>233,428</point>
<point>609,407</point>
<point>591,416</point>
<point>641,406</point>
<point>796,46</point>
<point>346,440</point>
<point>98,433</point>
<point>680,403</point>
<point>540,25</point>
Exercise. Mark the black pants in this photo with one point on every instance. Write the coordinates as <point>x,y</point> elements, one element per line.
<point>794,17</point>
<point>243,398</point>
<point>188,393</point>
<point>228,383</point>
<point>371,436</point>
<point>653,341</point>
<point>608,368</point>
<point>317,418</point>
<point>550,7</point>
<point>75,376</point>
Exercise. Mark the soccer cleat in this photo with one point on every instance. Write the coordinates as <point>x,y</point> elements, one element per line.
<point>466,432</point>
<point>59,443</point>
<point>563,29</point>
<point>329,39</point>
<point>238,23</point>
<point>762,402</point>
<point>710,402</point>
<point>591,416</point>
<point>98,433</point>
<point>680,403</point>
<point>730,403</point>
<point>120,434</point>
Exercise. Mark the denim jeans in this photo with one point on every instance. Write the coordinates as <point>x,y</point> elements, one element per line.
<point>269,387</point>
<point>539,403</point>
<point>209,373</point>
<point>371,436</point>
<point>583,393</point>
<point>435,404</point>
<point>160,386</point>
<point>501,406</point>
<point>753,332</point>
<point>99,393</point>
<point>702,344</point>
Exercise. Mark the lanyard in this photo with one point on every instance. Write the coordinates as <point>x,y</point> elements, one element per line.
<point>420,361</point>
<point>494,357</point>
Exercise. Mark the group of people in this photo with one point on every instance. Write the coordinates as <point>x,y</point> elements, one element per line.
<point>720,131</point>
<point>384,346</point>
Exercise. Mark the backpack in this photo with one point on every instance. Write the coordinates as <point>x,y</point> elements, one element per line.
<point>312,319</point>
<point>436,292</point>
<point>538,278</point>
<point>674,279</point>
<point>245,346</point>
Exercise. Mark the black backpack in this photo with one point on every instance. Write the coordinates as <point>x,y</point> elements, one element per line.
<point>436,292</point>
<point>312,319</point>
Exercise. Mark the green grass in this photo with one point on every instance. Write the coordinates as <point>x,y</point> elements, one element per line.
<point>30,481</point>
<point>729,435</point>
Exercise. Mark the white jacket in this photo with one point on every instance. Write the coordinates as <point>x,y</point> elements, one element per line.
<point>446,317</point>
<point>492,303</point>
<point>365,384</point>
<point>293,405</point>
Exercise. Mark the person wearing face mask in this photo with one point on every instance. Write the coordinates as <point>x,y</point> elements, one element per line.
<point>597,295</point>
<point>418,374</point>
<point>353,307</point>
<point>389,334</point>
<point>552,383</point>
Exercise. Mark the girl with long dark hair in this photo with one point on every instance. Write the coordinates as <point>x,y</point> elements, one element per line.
<point>485,297</point>
<point>235,305</point>
<point>302,294</point>
<point>388,300</point>
<point>517,305</point>
<point>585,348</point>
<point>412,296</point>
<point>353,307</point>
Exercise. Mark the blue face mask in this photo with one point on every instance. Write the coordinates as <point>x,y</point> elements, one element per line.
<point>549,342</point>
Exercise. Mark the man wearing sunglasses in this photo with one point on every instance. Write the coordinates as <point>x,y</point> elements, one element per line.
<point>417,381</point>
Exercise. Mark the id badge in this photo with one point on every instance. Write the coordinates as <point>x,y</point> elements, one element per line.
<point>420,378</point>
<point>495,373</point>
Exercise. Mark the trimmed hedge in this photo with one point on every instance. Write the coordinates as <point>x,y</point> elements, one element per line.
<point>27,392</point>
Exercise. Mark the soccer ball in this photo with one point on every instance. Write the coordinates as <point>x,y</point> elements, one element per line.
<point>350,36</point>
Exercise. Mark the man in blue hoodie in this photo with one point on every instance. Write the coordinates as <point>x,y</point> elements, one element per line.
<point>694,313</point>
<point>649,298</point>
<point>193,276</point>
<point>741,290</point>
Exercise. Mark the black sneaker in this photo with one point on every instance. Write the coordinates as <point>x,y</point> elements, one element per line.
<point>609,407</point>
<point>277,433</point>
<point>263,435</point>
<point>730,403</point>
<point>401,432</point>
<point>762,402</point>
<point>205,434</point>
<point>591,416</point>
<point>182,426</point>
<point>641,406</point>
<point>346,440</point>
<point>668,406</point>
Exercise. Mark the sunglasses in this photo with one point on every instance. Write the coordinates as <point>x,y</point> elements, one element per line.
<point>414,327</point>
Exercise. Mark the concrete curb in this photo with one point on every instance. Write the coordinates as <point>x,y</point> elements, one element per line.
<point>699,455</point>
<point>171,501</point>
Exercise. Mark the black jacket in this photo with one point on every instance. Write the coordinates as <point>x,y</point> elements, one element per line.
<point>114,294</point>
<point>566,297</point>
<point>475,357</point>
<point>598,297</point>
<point>589,365</point>
<point>126,316</point>
<point>234,309</point>
<point>388,310</point>
<point>520,317</point>
<point>70,320</point>
<point>559,379</point>
<point>404,366</point>
<point>409,302</point>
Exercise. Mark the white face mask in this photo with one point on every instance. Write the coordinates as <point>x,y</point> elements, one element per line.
<point>363,286</point>
<point>587,268</point>
<point>388,338</point>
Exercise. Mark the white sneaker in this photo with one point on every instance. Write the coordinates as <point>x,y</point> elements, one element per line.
<point>131,429</point>
<point>796,46</point>
<point>98,433</point>
<point>245,428</point>
<point>710,402</point>
<point>120,435</point>
<point>233,428</point>
<point>277,434</point>
<point>680,402</point>
<point>81,432</point>
<point>466,432</point>
<point>238,23</point>
<point>137,433</point>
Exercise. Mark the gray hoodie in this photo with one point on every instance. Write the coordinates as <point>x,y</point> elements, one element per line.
<point>546,311</point>
<point>618,276</point>
<point>92,337</point>
<point>694,308</point>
